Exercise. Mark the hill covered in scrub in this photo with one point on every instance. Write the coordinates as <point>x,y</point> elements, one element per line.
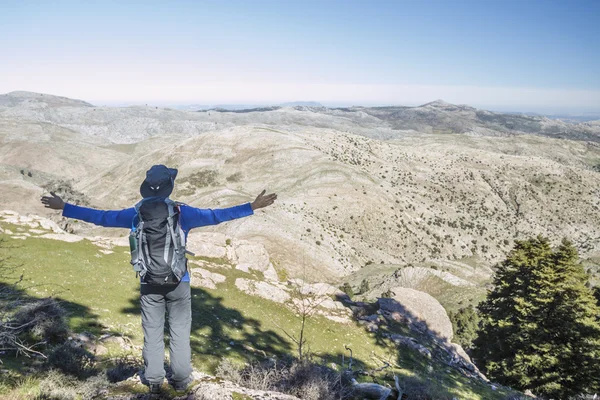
<point>412,204</point>
<point>346,201</point>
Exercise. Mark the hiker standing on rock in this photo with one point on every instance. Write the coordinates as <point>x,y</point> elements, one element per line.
<point>159,229</point>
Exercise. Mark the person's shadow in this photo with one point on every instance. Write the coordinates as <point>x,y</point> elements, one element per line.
<point>218,331</point>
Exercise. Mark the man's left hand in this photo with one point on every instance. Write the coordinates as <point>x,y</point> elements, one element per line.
<point>263,201</point>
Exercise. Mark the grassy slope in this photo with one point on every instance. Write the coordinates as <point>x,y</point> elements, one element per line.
<point>102,293</point>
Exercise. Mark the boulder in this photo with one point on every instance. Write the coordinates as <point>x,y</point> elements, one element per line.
<point>420,310</point>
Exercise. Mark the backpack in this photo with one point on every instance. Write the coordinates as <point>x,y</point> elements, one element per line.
<point>157,242</point>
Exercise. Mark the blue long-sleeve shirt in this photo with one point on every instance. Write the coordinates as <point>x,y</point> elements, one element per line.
<point>190,217</point>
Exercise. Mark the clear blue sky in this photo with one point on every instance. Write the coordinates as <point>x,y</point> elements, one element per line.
<point>514,53</point>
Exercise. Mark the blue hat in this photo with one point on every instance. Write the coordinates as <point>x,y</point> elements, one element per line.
<point>159,182</point>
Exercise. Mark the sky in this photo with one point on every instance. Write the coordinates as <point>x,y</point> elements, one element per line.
<point>541,56</point>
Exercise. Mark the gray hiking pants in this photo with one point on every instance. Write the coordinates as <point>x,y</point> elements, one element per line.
<point>176,301</point>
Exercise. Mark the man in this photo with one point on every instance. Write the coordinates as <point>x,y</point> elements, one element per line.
<point>154,299</point>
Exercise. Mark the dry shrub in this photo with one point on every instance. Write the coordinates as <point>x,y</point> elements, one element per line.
<point>303,379</point>
<point>236,177</point>
<point>73,360</point>
<point>123,368</point>
<point>43,319</point>
<point>58,386</point>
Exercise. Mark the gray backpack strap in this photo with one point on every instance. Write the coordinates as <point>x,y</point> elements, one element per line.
<point>179,260</point>
<point>173,213</point>
<point>138,244</point>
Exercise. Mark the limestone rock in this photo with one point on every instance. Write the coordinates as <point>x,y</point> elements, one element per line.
<point>254,256</point>
<point>420,310</point>
<point>207,244</point>
<point>65,237</point>
<point>263,289</point>
<point>410,343</point>
<point>204,278</point>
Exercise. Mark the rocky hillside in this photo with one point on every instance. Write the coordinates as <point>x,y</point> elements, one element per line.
<point>442,117</point>
<point>345,200</point>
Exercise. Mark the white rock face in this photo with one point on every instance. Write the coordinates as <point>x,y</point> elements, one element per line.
<point>65,237</point>
<point>207,244</point>
<point>253,256</point>
<point>204,278</point>
<point>245,255</point>
<point>263,289</point>
<point>31,221</point>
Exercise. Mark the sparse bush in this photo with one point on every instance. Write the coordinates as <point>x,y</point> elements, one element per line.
<point>234,178</point>
<point>92,387</point>
<point>42,320</point>
<point>201,178</point>
<point>58,386</point>
<point>346,288</point>
<point>123,368</point>
<point>303,379</point>
<point>73,360</point>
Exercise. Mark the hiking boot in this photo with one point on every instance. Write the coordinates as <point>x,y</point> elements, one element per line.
<point>154,389</point>
<point>181,386</point>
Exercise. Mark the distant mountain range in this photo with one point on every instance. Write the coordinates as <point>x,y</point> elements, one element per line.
<point>245,107</point>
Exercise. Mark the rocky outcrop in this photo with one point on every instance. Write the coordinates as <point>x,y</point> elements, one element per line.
<point>35,226</point>
<point>419,310</point>
<point>427,342</point>
<point>262,289</point>
<point>204,278</point>
<point>243,254</point>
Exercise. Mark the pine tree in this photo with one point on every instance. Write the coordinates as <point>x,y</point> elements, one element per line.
<point>464,324</point>
<point>540,328</point>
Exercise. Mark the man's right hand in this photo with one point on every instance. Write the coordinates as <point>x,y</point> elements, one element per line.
<point>54,202</point>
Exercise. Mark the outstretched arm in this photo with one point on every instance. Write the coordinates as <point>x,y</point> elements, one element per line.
<point>196,217</point>
<point>110,219</point>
